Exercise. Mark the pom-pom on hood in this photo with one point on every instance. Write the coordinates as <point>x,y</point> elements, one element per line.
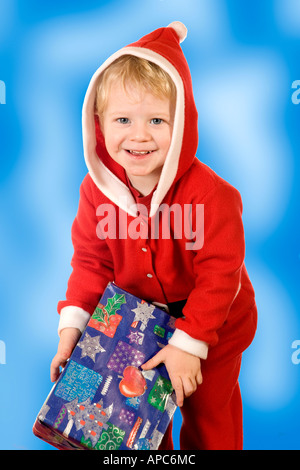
<point>162,47</point>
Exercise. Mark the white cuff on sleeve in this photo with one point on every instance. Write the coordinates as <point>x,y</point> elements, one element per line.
<point>183,341</point>
<point>74,317</point>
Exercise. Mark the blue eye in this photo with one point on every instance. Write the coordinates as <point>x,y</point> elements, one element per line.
<point>156,121</point>
<point>123,120</point>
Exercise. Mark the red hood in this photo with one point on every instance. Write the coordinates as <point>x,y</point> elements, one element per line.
<point>162,47</point>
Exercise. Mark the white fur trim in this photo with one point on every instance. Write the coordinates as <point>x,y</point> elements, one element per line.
<point>106,181</point>
<point>183,341</point>
<point>73,317</point>
<point>180,29</point>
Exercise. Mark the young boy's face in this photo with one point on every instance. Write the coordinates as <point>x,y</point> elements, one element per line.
<point>137,129</point>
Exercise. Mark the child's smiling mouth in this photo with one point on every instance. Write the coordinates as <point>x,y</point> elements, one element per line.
<point>141,153</point>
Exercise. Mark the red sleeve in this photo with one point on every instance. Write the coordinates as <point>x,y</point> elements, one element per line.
<point>217,266</point>
<point>92,262</point>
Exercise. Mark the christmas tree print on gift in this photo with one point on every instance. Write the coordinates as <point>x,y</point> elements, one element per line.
<point>90,418</point>
<point>105,318</point>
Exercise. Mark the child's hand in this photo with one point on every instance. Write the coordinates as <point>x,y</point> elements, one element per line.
<point>68,340</point>
<point>183,368</point>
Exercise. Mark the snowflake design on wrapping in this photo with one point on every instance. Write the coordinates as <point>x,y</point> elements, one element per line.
<point>136,337</point>
<point>143,313</point>
<point>90,346</point>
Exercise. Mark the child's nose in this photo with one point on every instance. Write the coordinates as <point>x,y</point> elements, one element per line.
<point>139,132</point>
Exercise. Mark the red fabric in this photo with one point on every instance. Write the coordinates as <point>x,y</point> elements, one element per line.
<point>212,418</point>
<point>213,279</point>
<point>209,278</point>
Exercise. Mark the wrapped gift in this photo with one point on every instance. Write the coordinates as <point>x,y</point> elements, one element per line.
<point>103,400</point>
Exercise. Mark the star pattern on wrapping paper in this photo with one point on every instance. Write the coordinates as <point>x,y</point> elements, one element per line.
<point>90,346</point>
<point>133,401</point>
<point>136,337</point>
<point>143,313</point>
<point>160,383</point>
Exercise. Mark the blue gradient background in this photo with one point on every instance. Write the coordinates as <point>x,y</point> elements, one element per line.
<point>244,56</point>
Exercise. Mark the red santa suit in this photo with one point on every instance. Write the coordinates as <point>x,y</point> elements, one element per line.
<point>200,268</point>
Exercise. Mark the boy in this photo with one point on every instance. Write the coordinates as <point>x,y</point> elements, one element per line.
<point>140,140</point>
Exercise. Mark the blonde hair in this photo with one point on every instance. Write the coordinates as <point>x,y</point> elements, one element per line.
<point>140,73</point>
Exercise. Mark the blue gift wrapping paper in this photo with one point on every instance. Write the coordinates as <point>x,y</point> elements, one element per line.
<point>102,399</point>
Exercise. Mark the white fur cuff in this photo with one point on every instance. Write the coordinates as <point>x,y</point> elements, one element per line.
<point>183,341</point>
<point>74,317</point>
